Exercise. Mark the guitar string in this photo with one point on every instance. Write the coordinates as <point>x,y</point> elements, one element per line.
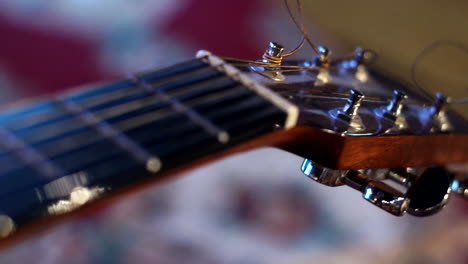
<point>151,116</point>
<point>130,90</point>
<point>223,122</point>
<point>303,39</point>
<point>156,114</point>
<point>299,24</point>
<point>121,108</point>
<point>104,99</point>
<point>436,44</point>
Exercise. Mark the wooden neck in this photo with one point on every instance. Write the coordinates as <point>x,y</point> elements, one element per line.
<point>112,136</point>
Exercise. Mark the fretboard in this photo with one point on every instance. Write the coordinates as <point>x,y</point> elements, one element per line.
<point>114,135</point>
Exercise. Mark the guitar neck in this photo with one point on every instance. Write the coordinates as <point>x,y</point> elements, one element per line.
<point>108,137</point>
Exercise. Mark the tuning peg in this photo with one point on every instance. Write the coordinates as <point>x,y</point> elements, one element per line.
<point>439,105</point>
<point>430,192</point>
<point>274,56</point>
<point>324,54</point>
<point>436,113</point>
<point>347,119</point>
<point>392,112</point>
<point>378,193</point>
<point>322,174</point>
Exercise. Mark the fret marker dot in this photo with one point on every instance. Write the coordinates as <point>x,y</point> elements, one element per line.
<point>223,137</point>
<point>153,165</point>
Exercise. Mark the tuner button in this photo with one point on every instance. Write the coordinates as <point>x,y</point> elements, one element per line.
<point>386,197</point>
<point>430,192</point>
<point>322,174</point>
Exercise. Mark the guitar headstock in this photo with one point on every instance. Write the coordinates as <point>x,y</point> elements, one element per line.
<point>360,127</point>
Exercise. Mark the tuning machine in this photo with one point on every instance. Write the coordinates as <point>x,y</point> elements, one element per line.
<point>358,63</point>
<point>435,116</point>
<point>273,56</point>
<point>391,115</point>
<point>376,192</point>
<point>427,192</point>
<point>323,60</point>
<point>347,119</point>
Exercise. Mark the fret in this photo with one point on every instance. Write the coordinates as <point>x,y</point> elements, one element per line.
<point>109,133</point>
<point>104,128</point>
<point>84,136</point>
<point>176,104</point>
<point>108,90</point>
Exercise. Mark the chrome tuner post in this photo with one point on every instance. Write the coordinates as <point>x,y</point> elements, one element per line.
<point>391,113</point>
<point>358,62</point>
<point>322,60</point>
<point>436,114</point>
<point>274,56</point>
<point>347,119</point>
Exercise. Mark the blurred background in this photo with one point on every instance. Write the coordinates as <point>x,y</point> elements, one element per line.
<point>251,208</point>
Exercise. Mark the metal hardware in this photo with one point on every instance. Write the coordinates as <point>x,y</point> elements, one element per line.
<point>437,113</point>
<point>322,174</point>
<point>347,117</point>
<point>274,56</point>
<point>430,192</point>
<point>378,193</point>
<point>460,186</point>
<point>323,58</point>
<point>426,193</point>
<point>392,112</point>
<point>401,176</point>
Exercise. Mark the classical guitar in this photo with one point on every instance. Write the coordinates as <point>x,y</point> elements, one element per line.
<point>354,126</point>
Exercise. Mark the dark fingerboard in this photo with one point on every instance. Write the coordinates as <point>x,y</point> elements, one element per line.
<point>114,135</point>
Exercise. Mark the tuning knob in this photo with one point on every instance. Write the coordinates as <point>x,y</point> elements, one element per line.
<point>322,174</point>
<point>347,119</point>
<point>430,192</point>
<point>378,193</point>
